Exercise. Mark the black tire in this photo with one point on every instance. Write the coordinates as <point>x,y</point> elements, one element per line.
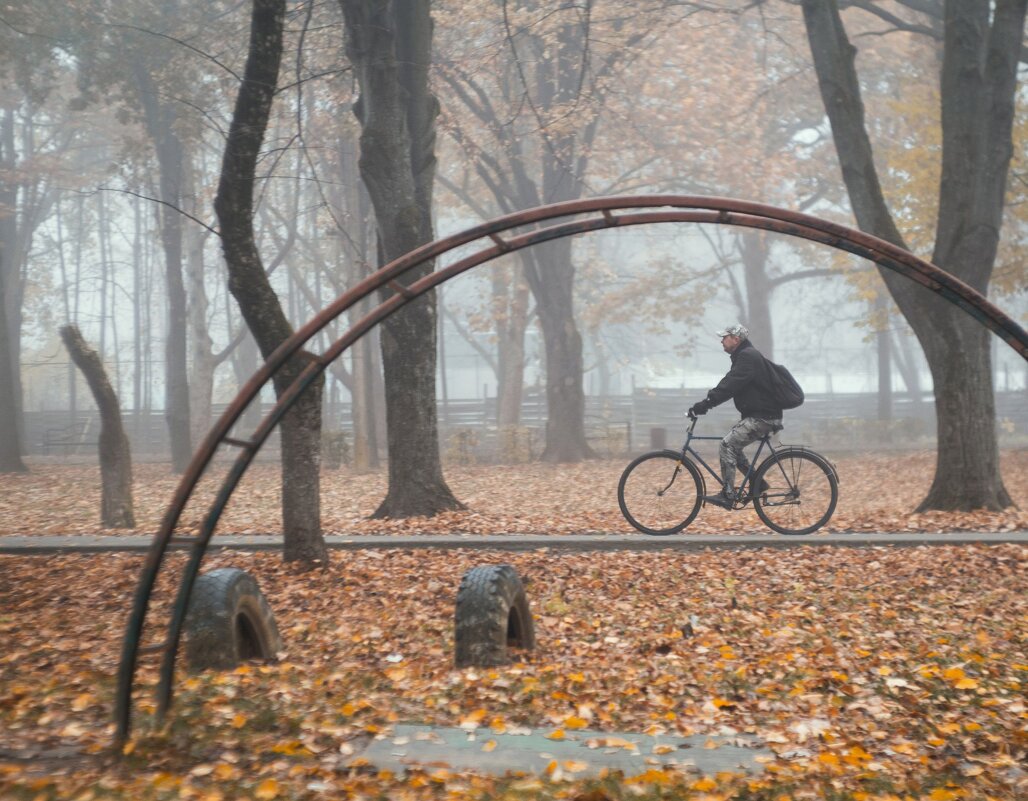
<point>229,621</point>
<point>803,490</point>
<point>660,492</point>
<point>491,616</point>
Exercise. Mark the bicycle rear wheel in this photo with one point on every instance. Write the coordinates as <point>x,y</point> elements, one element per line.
<point>802,491</point>
<point>660,493</point>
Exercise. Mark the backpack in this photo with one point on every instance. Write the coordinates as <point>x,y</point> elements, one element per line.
<point>785,390</point>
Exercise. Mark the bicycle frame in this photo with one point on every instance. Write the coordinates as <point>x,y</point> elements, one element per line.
<point>688,450</point>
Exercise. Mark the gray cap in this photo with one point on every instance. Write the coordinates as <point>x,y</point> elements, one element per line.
<point>737,330</point>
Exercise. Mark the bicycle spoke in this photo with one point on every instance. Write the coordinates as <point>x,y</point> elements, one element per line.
<point>658,494</point>
<point>801,496</point>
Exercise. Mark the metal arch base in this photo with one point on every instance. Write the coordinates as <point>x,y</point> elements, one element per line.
<point>586,215</point>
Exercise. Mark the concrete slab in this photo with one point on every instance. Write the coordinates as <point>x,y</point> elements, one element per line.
<point>47,544</point>
<point>582,753</point>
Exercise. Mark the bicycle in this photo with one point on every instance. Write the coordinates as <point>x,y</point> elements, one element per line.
<point>661,492</point>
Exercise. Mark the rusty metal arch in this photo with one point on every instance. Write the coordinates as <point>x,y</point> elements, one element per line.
<point>586,215</point>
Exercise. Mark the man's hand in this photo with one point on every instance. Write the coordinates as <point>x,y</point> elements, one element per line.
<point>697,409</point>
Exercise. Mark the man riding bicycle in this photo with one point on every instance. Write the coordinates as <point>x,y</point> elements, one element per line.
<point>748,383</point>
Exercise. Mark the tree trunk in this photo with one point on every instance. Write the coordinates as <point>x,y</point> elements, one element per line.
<point>248,282</point>
<point>353,201</point>
<point>10,435</point>
<point>10,305</point>
<point>754,248</point>
<point>201,382</point>
<point>883,342</point>
<point>204,361</point>
<point>160,124</point>
<point>389,44</point>
<point>115,455</point>
<point>511,294</point>
<point>978,86</point>
<point>552,279</point>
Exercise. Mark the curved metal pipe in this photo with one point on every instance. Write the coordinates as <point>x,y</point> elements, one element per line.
<point>686,209</point>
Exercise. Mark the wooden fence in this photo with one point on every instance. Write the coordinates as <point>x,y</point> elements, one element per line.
<point>616,425</point>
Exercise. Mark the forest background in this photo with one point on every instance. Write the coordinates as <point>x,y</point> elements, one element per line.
<point>114,129</point>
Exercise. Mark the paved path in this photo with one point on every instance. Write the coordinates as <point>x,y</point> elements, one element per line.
<point>580,753</point>
<point>519,542</point>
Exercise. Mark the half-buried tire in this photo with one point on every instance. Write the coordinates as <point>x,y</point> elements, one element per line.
<point>491,616</point>
<point>229,621</point>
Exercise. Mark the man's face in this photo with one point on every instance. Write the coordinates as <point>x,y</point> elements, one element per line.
<point>730,342</point>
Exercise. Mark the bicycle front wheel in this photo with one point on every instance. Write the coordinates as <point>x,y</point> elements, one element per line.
<point>802,491</point>
<point>660,493</point>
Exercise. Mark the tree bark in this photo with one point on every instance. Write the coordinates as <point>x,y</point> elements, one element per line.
<point>389,44</point>
<point>11,294</point>
<point>160,125</point>
<point>511,295</point>
<point>552,280</point>
<point>248,282</point>
<point>10,434</point>
<point>978,85</point>
<point>115,454</point>
<point>754,249</point>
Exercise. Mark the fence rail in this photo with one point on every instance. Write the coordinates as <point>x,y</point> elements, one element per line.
<point>615,425</point>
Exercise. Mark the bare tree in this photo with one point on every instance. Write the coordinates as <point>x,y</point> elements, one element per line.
<point>389,43</point>
<point>248,282</point>
<point>115,456</point>
<point>981,48</point>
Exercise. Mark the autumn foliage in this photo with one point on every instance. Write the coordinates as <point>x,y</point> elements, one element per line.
<point>870,673</point>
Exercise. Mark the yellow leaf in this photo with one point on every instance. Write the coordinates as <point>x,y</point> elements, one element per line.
<point>722,702</point>
<point>885,670</point>
<point>942,794</point>
<point>225,772</point>
<point>397,673</point>
<point>267,790</point>
<point>489,746</point>
<point>953,674</point>
<point>949,728</point>
<point>473,719</point>
<point>239,721</point>
<point>704,784</point>
<point>652,776</point>
<point>967,684</point>
<point>829,759</point>
<point>165,781</point>
<point>574,765</point>
<point>575,722</point>
<point>556,735</point>
<point>857,756</point>
<point>82,701</point>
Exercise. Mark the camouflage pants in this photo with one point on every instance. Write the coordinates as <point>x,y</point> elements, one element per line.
<point>743,433</point>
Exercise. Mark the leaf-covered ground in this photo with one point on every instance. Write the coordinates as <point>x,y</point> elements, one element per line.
<point>879,673</point>
<point>877,493</point>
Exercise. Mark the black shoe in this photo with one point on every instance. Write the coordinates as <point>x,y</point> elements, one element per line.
<point>762,487</point>
<point>722,499</point>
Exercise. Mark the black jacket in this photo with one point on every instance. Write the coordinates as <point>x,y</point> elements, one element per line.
<point>748,383</point>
